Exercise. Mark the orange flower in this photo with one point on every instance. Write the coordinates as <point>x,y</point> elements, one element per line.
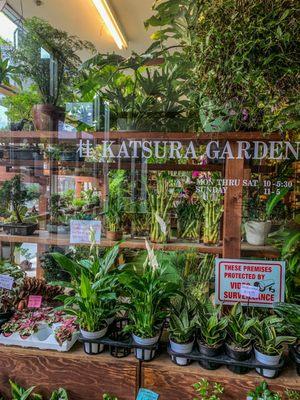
<point>263,197</point>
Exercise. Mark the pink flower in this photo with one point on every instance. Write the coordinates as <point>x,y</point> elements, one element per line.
<point>196,174</point>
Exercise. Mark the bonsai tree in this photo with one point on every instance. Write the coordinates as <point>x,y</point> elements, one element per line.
<point>14,194</point>
<point>40,37</point>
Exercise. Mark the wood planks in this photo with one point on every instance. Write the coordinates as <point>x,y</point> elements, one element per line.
<point>85,377</point>
<point>173,382</point>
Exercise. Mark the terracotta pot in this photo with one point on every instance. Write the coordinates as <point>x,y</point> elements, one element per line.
<point>47,116</point>
<point>114,236</point>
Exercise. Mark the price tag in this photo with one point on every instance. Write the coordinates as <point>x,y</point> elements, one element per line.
<point>6,282</point>
<point>34,301</point>
<point>82,231</point>
<point>250,291</point>
<point>145,394</point>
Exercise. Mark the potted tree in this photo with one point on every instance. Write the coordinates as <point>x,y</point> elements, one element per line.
<point>14,194</point>
<point>212,328</point>
<point>182,330</point>
<point>239,344</point>
<point>149,291</point>
<point>268,345</point>
<point>93,283</point>
<point>40,47</point>
<point>57,214</point>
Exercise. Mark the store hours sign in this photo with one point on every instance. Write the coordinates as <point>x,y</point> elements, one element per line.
<point>257,283</point>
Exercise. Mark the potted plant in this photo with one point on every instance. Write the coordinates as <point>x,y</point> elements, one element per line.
<point>39,45</point>
<point>93,284</point>
<point>212,330</point>
<point>189,215</point>
<point>212,203</point>
<point>14,194</point>
<point>239,343</point>
<point>8,297</point>
<point>263,392</point>
<point>114,206</point>
<point>19,108</point>
<point>268,346</point>
<point>160,203</point>
<point>57,214</point>
<point>258,230</point>
<point>182,330</point>
<point>149,291</point>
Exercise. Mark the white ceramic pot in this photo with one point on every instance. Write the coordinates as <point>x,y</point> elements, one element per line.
<point>93,348</point>
<point>144,354</point>
<point>181,348</point>
<point>268,360</point>
<point>257,232</point>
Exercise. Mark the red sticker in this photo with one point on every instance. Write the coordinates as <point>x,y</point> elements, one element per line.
<point>34,301</point>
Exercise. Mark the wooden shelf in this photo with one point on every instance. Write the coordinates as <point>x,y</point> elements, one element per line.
<point>44,136</point>
<point>174,382</point>
<point>46,238</point>
<point>88,377</point>
<point>83,376</point>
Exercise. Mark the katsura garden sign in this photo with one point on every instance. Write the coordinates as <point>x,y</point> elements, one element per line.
<point>174,149</point>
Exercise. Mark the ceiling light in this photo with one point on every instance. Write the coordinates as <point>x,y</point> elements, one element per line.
<point>110,22</point>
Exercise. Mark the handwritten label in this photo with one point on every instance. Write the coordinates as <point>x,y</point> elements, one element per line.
<point>145,394</point>
<point>250,291</point>
<point>34,301</point>
<point>84,232</point>
<point>6,282</point>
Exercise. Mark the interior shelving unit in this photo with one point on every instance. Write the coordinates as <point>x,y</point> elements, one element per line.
<point>40,171</point>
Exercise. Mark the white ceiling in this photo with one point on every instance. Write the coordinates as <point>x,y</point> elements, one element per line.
<point>79,17</point>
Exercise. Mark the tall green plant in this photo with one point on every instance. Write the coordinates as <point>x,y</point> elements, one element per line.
<point>114,206</point>
<point>39,36</point>
<point>93,282</point>
<point>149,291</point>
<point>212,325</point>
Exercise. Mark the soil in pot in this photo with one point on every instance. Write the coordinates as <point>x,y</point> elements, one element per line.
<point>93,348</point>
<point>238,354</point>
<point>181,348</point>
<point>5,317</point>
<point>46,117</point>
<point>20,229</point>
<point>209,352</point>
<point>267,360</point>
<point>114,236</point>
<point>144,354</point>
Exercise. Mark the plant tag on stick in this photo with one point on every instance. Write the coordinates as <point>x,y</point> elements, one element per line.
<point>34,301</point>
<point>6,282</point>
<point>145,394</point>
<point>250,291</point>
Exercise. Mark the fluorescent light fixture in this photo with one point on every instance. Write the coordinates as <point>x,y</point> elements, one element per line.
<point>110,22</point>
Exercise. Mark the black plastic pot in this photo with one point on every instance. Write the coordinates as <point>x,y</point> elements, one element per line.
<point>70,156</point>
<point>24,154</point>
<point>20,229</point>
<point>63,229</point>
<point>5,316</point>
<point>238,355</point>
<point>209,352</point>
<point>117,334</point>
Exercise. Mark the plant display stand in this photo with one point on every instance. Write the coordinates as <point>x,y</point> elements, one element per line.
<point>83,376</point>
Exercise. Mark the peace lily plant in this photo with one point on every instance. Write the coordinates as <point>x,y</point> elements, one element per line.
<point>93,292</point>
<point>149,292</point>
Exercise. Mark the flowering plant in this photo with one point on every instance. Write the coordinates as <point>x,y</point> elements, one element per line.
<point>66,330</point>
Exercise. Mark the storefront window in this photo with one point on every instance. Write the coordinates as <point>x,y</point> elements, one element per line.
<point>156,189</point>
